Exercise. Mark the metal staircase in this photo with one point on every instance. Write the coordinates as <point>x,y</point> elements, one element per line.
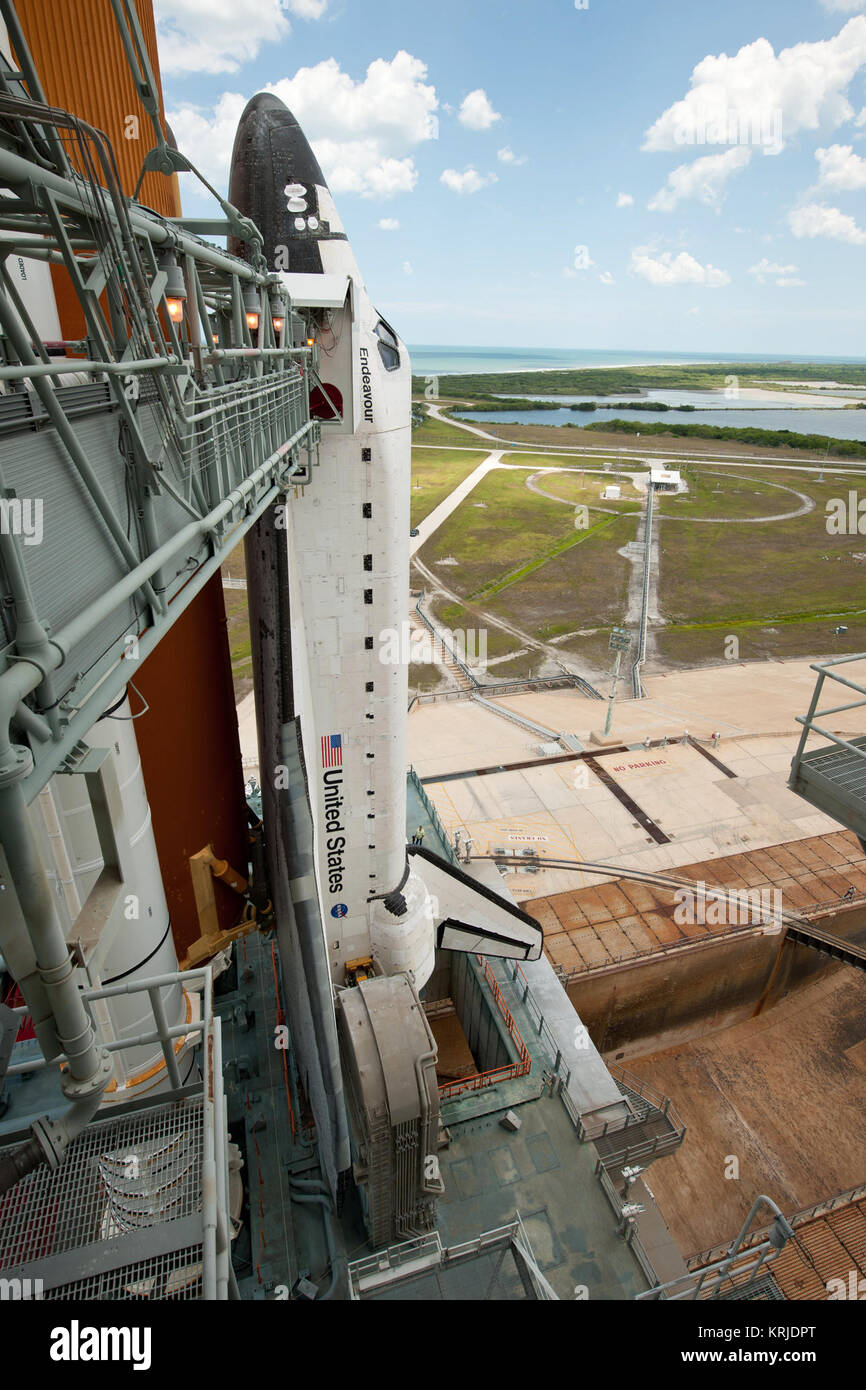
<point>651,1129</point>
<point>832,777</point>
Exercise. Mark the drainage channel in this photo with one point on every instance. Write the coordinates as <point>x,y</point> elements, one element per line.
<point>630,805</point>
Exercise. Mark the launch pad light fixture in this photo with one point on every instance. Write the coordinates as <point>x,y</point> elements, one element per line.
<point>175,287</point>
<point>278,312</point>
<point>252,307</point>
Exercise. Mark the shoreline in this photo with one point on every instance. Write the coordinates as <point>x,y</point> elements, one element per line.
<point>633,366</point>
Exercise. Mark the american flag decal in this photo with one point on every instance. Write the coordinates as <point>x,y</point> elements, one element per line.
<point>332,750</point>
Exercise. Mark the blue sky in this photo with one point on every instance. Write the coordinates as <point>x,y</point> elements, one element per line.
<point>736,133</point>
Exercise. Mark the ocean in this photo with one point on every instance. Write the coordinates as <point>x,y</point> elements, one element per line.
<point>444,360</point>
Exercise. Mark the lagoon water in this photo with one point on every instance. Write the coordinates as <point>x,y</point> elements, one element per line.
<point>832,424</point>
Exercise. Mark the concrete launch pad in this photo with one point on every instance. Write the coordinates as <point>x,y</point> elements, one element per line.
<point>654,808</point>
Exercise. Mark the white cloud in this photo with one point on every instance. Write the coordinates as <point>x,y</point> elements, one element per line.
<point>683,269</point>
<point>470,181</point>
<point>507,156</point>
<point>407,268</point>
<point>222,35</point>
<point>606,278</point>
<point>789,282</point>
<point>841,169</point>
<point>703,179</point>
<point>695,309</point>
<point>358,166</point>
<point>765,268</point>
<point>361,131</point>
<point>389,224</point>
<point>802,88</point>
<point>844,6</point>
<point>476,111</point>
<point>624,200</point>
<point>860,120</point>
<point>817,220</point>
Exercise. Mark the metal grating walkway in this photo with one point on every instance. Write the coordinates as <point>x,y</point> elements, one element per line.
<point>120,1218</point>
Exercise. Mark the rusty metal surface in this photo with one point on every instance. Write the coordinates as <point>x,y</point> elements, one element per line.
<point>593,927</point>
<point>831,1247</point>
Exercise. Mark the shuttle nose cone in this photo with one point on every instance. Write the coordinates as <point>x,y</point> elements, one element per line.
<point>276,180</point>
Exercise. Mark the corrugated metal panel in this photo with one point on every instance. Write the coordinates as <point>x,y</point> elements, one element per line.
<point>76,561</point>
<point>83,68</point>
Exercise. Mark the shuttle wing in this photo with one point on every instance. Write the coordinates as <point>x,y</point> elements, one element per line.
<point>469,916</point>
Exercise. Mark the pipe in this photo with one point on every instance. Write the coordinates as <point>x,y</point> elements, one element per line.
<point>59,853</point>
<point>320,1200</point>
<point>15,172</point>
<point>51,1139</point>
<point>19,1162</point>
<point>32,723</point>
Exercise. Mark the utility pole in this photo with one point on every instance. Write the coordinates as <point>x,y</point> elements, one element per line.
<point>620,641</point>
<point>824,464</point>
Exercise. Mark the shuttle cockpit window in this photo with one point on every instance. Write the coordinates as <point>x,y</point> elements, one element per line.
<point>389,350</point>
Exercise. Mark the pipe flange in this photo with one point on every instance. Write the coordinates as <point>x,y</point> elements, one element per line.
<point>95,1084</point>
<point>51,1139</point>
<point>18,766</point>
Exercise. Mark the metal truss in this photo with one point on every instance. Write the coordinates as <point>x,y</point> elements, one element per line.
<point>149,447</point>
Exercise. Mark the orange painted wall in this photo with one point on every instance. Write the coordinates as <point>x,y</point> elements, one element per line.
<point>83,69</point>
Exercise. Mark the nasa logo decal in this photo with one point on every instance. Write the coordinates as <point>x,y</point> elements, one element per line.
<point>339,910</point>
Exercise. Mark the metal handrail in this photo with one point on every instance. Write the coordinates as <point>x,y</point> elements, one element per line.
<point>530,1003</point>
<point>630,1231</point>
<point>799,1218</point>
<point>823,668</point>
<point>433,815</point>
<point>214,1190</point>
<point>509,1071</point>
<point>445,646</point>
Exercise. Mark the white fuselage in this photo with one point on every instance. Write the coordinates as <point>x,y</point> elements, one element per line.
<point>349,580</point>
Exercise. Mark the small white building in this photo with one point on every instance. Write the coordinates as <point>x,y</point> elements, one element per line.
<point>666,480</point>
<point>612,493</point>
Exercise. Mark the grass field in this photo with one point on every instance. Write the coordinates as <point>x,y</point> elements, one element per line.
<point>435,474</point>
<point>794,568</point>
<point>514,528</point>
<point>558,438</point>
<point>725,493</point>
<point>682,649</point>
<point>591,381</point>
<point>438,432</point>
<point>582,587</point>
<point>587,488</point>
<point>423,677</point>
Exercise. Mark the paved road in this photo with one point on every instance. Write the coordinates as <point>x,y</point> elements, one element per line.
<point>644,453</point>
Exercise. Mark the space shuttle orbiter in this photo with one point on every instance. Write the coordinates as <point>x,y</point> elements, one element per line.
<point>348,535</point>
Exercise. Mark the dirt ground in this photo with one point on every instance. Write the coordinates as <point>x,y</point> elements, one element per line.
<point>784,1094</point>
